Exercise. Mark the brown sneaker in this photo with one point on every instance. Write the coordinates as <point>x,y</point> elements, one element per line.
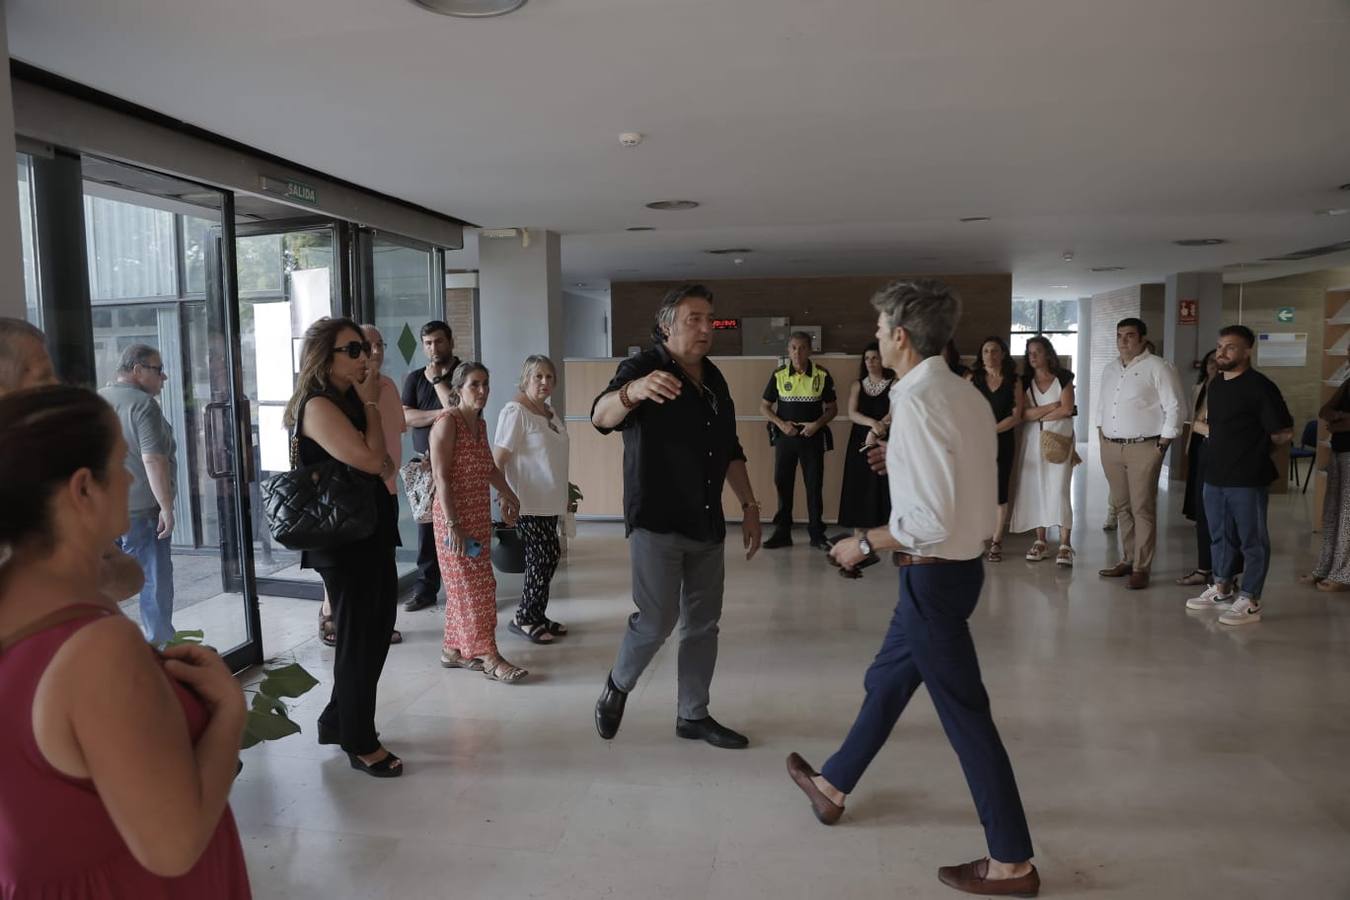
<point>969,877</point>
<point>1119,570</point>
<point>826,810</point>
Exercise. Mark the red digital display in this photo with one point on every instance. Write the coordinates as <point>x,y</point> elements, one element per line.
<point>726,324</point>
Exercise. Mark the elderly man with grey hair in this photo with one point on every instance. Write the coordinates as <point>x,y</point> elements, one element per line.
<point>944,504</point>
<point>151,452</point>
<point>24,364</point>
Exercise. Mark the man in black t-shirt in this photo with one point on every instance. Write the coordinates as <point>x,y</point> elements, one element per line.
<point>1247,417</point>
<point>421,406</point>
<point>799,402</point>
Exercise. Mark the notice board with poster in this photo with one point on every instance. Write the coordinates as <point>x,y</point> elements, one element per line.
<point>1288,349</point>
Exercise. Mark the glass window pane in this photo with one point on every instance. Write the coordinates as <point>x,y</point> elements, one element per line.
<point>131,250</point>
<point>1024,315</point>
<point>30,282</point>
<point>196,232</point>
<point>258,262</point>
<point>1059,315</point>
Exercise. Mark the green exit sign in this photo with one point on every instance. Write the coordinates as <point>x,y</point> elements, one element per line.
<point>1284,314</point>
<point>289,188</point>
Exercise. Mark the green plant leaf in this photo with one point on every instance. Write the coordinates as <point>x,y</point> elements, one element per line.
<point>287,681</point>
<point>249,739</point>
<point>267,726</point>
<point>185,637</point>
<point>264,703</point>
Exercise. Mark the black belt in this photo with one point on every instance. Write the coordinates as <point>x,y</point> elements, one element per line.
<point>1142,440</point>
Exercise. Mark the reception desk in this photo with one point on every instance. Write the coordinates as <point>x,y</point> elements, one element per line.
<point>597,460</point>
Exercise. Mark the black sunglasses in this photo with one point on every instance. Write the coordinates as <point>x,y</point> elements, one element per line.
<point>354,349</point>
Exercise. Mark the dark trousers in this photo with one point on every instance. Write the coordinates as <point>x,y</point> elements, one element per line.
<point>1238,532</point>
<point>542,552</point>
<point>929,643</point>
<point>787,453</point>
<point>364,594</point>
<point>428,582</point>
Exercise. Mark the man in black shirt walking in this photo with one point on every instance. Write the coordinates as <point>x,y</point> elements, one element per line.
<point>679,448</point>
<point>1247,418</point>
<point>421,407</point>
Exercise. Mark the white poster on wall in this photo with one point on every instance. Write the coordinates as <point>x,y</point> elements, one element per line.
<point>311,297</point>
<point>1287,348</point>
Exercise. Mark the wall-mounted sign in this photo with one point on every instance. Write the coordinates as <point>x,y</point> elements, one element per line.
<point>1188,312</point>
<point>297,191</point>
<point>726,324</point>
<point>1284,315</point>
<point>1282,349</point>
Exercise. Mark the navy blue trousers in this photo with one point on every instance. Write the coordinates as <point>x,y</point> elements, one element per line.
<point>929,643</point>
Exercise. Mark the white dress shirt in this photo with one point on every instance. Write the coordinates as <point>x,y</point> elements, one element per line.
<point>942,463</point>
<point>1142,399</point>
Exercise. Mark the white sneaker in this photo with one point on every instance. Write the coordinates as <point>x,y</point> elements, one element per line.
<point>1210,599</point>
<point>1243,612</point>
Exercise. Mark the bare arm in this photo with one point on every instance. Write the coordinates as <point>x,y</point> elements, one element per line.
<point>1061,410</point>
<point>442,458</point>
<point>164,794</point>
<point>1012,421</point>
<point>738,476</point>
<point>326,425</point>
<point>658,387</point>
<point>1282,437</point>
<point>1331,410</point>
<point>161,485</point>
<point>420,418</point>
<point>854,416</point>
<point>770,411</point>
<point>828,414</point>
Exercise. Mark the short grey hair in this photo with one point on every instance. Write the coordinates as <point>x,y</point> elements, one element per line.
<point>13,333</point>
<point>926,308</point>
<point>802,336</point>
<point>670,305</point>
<point>532,362</point>
<point>136,355</point>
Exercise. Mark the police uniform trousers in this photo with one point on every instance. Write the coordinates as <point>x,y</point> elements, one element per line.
<point>788,452</point>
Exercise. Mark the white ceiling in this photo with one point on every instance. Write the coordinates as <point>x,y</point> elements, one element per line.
<point>831,138</point>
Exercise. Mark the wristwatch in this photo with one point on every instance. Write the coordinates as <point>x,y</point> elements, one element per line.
<point>438,379</point>
<point>865,545</point>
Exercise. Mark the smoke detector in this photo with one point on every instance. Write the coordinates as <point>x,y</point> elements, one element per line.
<point>630,138</point>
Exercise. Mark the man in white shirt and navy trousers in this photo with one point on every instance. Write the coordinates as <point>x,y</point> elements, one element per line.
<point>944,505</point>
<point>1140,411</point>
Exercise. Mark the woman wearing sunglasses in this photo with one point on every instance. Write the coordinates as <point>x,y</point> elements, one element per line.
<point>335,412</point>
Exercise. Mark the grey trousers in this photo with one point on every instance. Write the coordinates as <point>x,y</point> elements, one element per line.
<point>675,579</point>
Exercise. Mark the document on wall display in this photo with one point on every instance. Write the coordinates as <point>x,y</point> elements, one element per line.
<point>1288,348</point>
<point>311,297</point>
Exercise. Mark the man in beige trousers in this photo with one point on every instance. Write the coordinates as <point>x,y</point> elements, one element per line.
<point>1140,411</point>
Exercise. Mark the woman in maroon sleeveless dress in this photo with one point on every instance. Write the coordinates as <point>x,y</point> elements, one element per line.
<point>117,760</point>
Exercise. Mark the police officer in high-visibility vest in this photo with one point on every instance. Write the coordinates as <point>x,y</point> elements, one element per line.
<point>799,403</point>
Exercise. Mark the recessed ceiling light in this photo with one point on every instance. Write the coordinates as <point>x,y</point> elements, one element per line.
<point>640,228</point>
<point>974,219</point>
<point>730,251</point>
<point>1106,269</point>
<point>1060,287</point>
<point>1340,211</point>
<point>673,204</point>
<point>471,9</point>
<point>1199,242</point>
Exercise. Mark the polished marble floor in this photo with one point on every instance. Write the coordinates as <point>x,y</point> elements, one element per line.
<point>1159,754</point>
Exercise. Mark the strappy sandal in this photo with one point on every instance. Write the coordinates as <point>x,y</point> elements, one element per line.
<point>327,631</point>
<point>501,670</point>
<point>995,552</point>
<point>1065,556</point>
<point>389,767</point>
<point>1037,551</point>
<point>535,632</point>
<point>453,659</point>
<point>557,629</point>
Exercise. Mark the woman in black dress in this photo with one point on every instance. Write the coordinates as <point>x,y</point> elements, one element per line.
<point>996,377</point>
<point>865,500</point>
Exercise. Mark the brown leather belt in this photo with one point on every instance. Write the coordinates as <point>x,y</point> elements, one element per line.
<point>908,559</point>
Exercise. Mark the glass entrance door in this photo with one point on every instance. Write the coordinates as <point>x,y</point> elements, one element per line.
<point>290,274</point>
<point>154,249</point>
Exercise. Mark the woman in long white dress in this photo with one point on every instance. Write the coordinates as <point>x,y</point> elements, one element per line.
<point>1042,498</point>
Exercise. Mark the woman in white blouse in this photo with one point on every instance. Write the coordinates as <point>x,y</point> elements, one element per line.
<point>531,449</point>
<point>1042,496</point>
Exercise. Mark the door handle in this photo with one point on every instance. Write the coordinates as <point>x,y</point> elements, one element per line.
<point>215,451</point>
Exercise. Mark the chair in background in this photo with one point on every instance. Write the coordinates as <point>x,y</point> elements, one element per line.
<point>1306,449</point>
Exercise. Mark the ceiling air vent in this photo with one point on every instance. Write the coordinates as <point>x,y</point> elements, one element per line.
<point>730,251</point>
<point>1310,252</point>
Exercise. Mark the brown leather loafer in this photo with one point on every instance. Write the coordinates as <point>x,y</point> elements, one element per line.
<point>826,810</point>
<point>969,877</point>
<point>1137,581</point>
<point>1119,570</point>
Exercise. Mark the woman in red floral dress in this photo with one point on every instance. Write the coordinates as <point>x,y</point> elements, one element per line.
<point>461,514</point>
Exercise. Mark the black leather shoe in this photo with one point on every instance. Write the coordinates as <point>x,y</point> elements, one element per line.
<point>609,709</point>
<point>416,603</point>
<point>777,540</point>
<point>820,544</point>
<point>708,729</point>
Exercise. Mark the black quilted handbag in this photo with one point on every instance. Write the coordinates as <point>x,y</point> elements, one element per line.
<point>317,507</point>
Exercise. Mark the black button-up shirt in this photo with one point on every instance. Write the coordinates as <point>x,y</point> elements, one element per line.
<point>675,454</point>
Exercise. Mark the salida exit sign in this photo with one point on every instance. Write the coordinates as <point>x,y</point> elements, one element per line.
<point>726,324</point>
